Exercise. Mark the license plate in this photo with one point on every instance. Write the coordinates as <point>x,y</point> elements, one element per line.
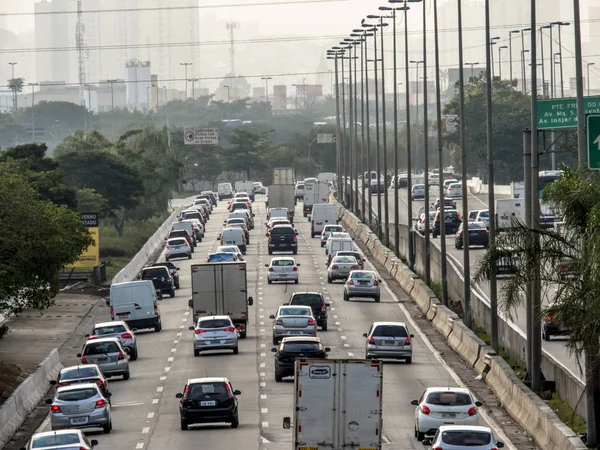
<point>177,247</point>
<point>389,342</point>
<point>282,275</point>
<point>208,403</point>
<point>102,359</point>
<point>310,448</point>
<point>123,315</point>
<point>78,420</point>
<point>319,223</point>
<point>230,242</point>
<point>295,332</point>
<point>448,415</point>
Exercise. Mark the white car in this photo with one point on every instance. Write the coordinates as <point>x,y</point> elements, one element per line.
<point>335,235</point>
<point>178,248</point>
<point>259,188</point>
<point>50,440</point>
<point>230,249</point>
<point>282,268</point>
<point>457,437</point>
<point>444,406</point>
<point>327,230</point>
<point>454,190</point>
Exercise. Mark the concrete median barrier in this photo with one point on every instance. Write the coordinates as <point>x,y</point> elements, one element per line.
<point>466,343</point>
<point>425,298</point>
<point>529,410</point>
<point>406,278</point>
<point>444,319</point>
<point>27,396</point>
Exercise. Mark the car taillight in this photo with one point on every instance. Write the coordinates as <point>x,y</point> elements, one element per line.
<point>425,409</point>
<point>311,321</point>
<point>186,392</point>
<point>156,309</point>
<point>55,409</point>
<point>478,219</point>
<point>112,313</point>
<point>270,269</point>
<point>121,356</point>
<point>229,329</point>
<point>312,224</point>
<point>437,448</point>
<point>127,335</point>
<point>548,319</point>
<point>407,340</point>
<point>354,267</point>
<point>323,309</point>
<point>199,331</point>
<point>100,383</point>
<point>59,385</point>
<point>278,322</point>
<point>458,216</point>
<point>350,282</point>
<point>295,269</point>
<point>295,238</point>
<point>375,283</point>
<point>334,267</point>
<point>472,410</point>
<point>100,404</point>
<point>83,360</point>
<point>229,392</point>
<point>91,338</point>
<point>167,246</point>
<point>270,238</point>
<point>372,340</point>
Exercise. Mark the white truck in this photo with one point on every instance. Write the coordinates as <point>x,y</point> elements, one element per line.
<point>221,289</point>
<point>314,192</point>
<point>509,210</point>
<point>245,186</point>
<point>282,196</point>
<point>327,177</point>
<point>225,191</point>
<point>337,404</point>
<point>283,175</point>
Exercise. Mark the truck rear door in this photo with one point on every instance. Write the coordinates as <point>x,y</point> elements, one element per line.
<point>235,292</point>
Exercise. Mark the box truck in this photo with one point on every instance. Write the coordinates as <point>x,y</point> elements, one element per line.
<point>282,196</point>
<point>314,192</point>
<point>221,289</point>
<point>337,404</point>
<point>245,186</point>
<point>283,175</point>
<point>509,210</point>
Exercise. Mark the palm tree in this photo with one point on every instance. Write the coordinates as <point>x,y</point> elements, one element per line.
<point>16,85</point>
<point>567,265</point>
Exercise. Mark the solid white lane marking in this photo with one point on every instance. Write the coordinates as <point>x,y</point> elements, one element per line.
<point>150,415</point>
<point>154,401</point>
<point>47,421</point>
<point>159,389</point>
<point>170,359</point>
<point>145,430</point>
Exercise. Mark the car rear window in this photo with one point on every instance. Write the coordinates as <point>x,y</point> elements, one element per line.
<point>477,226</point>
<point>57,439</point>
<point>294,312</point>
<point>450,215</point>
<point>313,300</point>
<point>177,241</point>
<point>214,323</point>
<point>449,399</point>
<point>298,347</point>
<point>148,274</point>
<point>345,260</point>
<point>179,233</point>
<point>362,275</point>
<point>112,329</point>
<point>329,229</point>
<point>282,263</point>
<point>81,372</point>
<point>221,257</point>
<point>282,230</point>
<point>466,438</point>
<point>485,214</point>
<point>101,348</point>
<point>390,331</point>
<point>75,395</point>
<point>201,390</point>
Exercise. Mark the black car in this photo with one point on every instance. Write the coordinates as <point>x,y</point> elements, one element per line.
<point>173,270</point>
<point>283,238</point>
<point>161,278</point>
<point>211,194</point>
<point>478,235</point>
<point>317,303</point>
<point>208,400</point>
<point>292,348</point>
<point>451,221</point>
<point>85,373</point>
<point>551,327</point>
<point>447,202</point>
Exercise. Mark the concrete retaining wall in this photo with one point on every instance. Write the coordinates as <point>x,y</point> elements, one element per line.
<point>522,404</point>
<point>26,397</point>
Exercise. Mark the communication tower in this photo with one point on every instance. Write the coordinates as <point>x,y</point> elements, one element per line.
<point>81,49</point>
<point>232,26</point>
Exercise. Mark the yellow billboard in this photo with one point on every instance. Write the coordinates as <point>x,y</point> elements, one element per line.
<point>90,257</point>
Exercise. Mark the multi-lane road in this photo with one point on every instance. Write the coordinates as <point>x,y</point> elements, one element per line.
<point>145,410</point>
<point>557,346</point>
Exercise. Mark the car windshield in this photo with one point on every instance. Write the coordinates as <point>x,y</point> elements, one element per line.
<point>178,233</point>
<point>236,220</point>
<point>448,399</point>
<point>76,395</point>
<point>450,215</point>
<point>297,347</point>
<point>294,312</point>
<point>101,348</point>
<point>214,323</point>
<point>282,263</point>
<point>55,439</point>
<point>476,226</point>
<point>466,438</point>
<point>363,275</point>
<point>282,230</point>
<point>221,257</point>
<point>79,372</point>
<point>112,329</point>
<point>344,260</point>
<point>177,241</point>
<point>201,390</point>
<point>313,300</point>
<point>390,331</point>
<point>148,274</point>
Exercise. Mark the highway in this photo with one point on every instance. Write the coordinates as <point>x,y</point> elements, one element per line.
<point>145,410</point>
<point>556,346</point>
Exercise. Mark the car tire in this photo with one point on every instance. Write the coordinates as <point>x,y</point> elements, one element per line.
<point>278,378</point>
<point>134,354</point>
<point>324,326</point>
<point>545,336</point>
<point>275,341</point>
<point>329,279</point>
<point>235,422</point>
<point>178,285</point>
<point>295,281</point>
<point>346,297</point>
<point>409,360</point>
<point>270,281</point>
<point>189,256</point>
<point>236,350</point>
<point>196,352</point>
<point>106,428</point>
<point>322,244</point>
<point>158,327</point>
<point>420,436</point>
<point>167,258</point>
<point>243,335</point>
<point>172,292</point>
<point>126,375</point>
<point>294,252</point>
<point>270,252</point>
<point>378,299</point>
<point>184,425</point>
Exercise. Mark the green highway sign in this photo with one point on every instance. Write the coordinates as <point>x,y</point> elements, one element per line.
<point>562,112</point>
<point>593,141</point>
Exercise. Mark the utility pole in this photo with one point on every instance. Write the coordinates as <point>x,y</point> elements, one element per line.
<point>266,88</point>
<point>33,85</point>
<point>426,155</point>
<point>193,80</point>
<point>186,64</point>
<point>14,88</point>
<point>112,94</point>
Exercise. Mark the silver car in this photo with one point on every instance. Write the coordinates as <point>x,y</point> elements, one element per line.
<point>178,248</point>
<point>293,321</point>
<point>362,283</point>
<point>327,230</point>
<point>215,333</point>
<point>457,437</point>
<point>340,268</point>
<point>359,258</point>
<point>389,340</point>
<point>117,329</point>
<point>60,439</point>
<point>80,406</point>
<point>108,354</point>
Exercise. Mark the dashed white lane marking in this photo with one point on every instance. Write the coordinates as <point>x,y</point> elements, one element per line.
<point>263,384</point>
<point>337,323</point>
<point>139,445</point>
<point>167,369</point>
<point>262,355</point>
<point>179,334</point>
<point>261,323</point>
<point>263,396</point>
<point>262,365</point>
<point>335,316</point>
<point>159,389</point>
<point>184,319</point>
<point>261,309</point>
<point>262,374</point>
<point>343,337</point>
<point>145,430</point>
<point>170,359</point>
<point>261,317</point>
<point>346,345</point>
<point>262,330</point>
<point>176,341</point>
<point>351,355</point>
<point>163,378</point>
<point>340,330</point>
<point>154,401</point>
<point>173,350</point>
<point>181,327</point>
<point>265,424</point>
<point>264,410</point>
<point>150,415</point>
<point>260,303</point>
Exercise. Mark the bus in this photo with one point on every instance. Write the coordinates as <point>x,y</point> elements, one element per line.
<point>548,213</point>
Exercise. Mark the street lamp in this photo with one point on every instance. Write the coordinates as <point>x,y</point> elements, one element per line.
<point>588,65</point>
<point>304,88</point>
<point>334,54</point>
<point>502,47</point>
<point>13,64</point>
<point>267,88</point>
<point>193,80</point>
<point>510,51</point>
<point>492,41</point>
<point>560,25</point>
<point>523,65</point>
<point>472,72</point>
<point>167,112</point>
<point>186,64</point>
<point>33,85</point>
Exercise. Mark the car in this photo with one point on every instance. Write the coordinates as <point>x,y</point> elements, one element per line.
<point>160,277</point>
<point>457,437</point>
<point>327,230</point>
<point>212,196</point>
<point>507,264</point>
<point>483,216</point>
<point>239,205</point>
<point>340,268</point>
<point>388,340</point>
<point>214,333</point>
<point>259,188</point>
<point>198,228</point>
<point>447,202</point>
<point>417,192</point>
<point>276,221</point>
<point>239,223</point>
<point>360,259</point>
<point>178,248</point>
<point>80,406</point>
<point>448,182</point>
<point>85,373</point>
<point>183,234</point>
<point>317,303</point>
<point>173,270</point>
<point>190,214</point>
<point>335,235</point>
<point>299,191</point>
<point>230,249</point>
<point>362,283</point>
<point>221,257</point>
<point>283,238</point>
<point>208,400</point>
<point>293,321</point>
<point>282,269</point>
<point>108,354</point>
<point>292,348</point>
<point>451,222</point>
<point>444,406</point>
<point>116,329</point>
<point>552,327</point>
<point>204,200</point>
<point>420,225</point>
<point>478,235</point>
<point>60,439</point>
<point>454,190</point>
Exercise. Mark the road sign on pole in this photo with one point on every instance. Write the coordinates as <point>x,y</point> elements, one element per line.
<point>450,123</point>
<point>325,138</point>
<point>593,141</point>
<point>562,112</point>
<point>201,136</point>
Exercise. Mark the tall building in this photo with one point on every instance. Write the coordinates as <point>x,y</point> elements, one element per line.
<point>138,85</point>
<point>58,31</point>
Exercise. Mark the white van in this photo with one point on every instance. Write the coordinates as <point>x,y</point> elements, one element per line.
<point>322,214</point>
<point>136,303</point>
<point>234,236</point>
<point>225,190</point>
<point>185,226</point>
<point>338,245</point>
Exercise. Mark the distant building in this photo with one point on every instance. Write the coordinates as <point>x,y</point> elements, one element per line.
<point>279,100</point>
<point>258,94</point>
<point>138,84</point>
<point>112,94</point>
<point>54,30</point>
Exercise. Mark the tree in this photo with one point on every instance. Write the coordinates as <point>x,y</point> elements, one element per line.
<point>16,84</point>
<point>246,151</point>
<point>544,256</point>
<point>82,141</point>
<point>37,239</point>
<point>88,200</point>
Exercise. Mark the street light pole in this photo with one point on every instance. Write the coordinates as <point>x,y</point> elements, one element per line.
<point>544,93</point>
<point>112,94</point>
<point>352,123</point>
<point>33,85</point>
<point>228,104</point>
<point>510,33</point>
<point>186,64</point>
<point>588,76</point>
<point>13,64</point>
<point>472,71</point>
<point>581,136</point>
<point>523,64</point>
<point>193,80</point>
<point>426,154</point>
<point>367,180</point>
<point>167,112</point>
<point>562,84</point>
<point>267,88</point>
<point>500,60</point>
<point>378,134</point>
